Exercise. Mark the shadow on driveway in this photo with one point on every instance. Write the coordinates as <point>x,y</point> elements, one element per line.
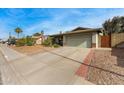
<point>119,53</point>
<point>88,65</point>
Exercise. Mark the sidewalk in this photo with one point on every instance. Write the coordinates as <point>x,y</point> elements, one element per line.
<point>7,74</point>
<point>9,53</point>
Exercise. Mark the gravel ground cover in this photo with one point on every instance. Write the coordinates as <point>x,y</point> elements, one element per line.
<point>0,79</point>
<point>107,67</point>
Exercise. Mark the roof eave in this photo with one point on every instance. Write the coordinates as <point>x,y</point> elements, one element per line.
<point>81,31</point>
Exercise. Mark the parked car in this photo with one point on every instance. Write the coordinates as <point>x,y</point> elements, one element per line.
<point>11,41</point>
<point>3,42</point>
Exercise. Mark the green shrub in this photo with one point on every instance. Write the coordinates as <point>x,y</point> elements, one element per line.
<point>47,42</point>
<point>56,45</point>
<point>29,43</point>
<point>20,42</point>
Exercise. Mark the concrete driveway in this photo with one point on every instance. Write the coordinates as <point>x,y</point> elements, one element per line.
<point>52,67</point>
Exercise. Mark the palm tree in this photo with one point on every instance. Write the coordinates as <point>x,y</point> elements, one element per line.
<point>42,36</point>
<point>42,32</point>
<point>18,31</point>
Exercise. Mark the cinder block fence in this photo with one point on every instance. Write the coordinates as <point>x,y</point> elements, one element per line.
<point>116,39</point>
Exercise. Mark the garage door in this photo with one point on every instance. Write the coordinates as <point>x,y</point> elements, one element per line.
<point>79,40</point>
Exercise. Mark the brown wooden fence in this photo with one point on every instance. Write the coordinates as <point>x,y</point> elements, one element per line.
<point>106,41</point>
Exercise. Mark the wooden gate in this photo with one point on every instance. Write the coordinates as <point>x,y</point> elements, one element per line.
<point>106,41</point>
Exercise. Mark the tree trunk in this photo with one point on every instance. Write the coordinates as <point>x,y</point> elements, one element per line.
<point>18,35</point>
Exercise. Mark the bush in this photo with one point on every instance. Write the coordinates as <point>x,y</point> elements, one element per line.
<point>29,41</point>
<point>20,42</point>
<point>56,45</point>
<point>47,42</point>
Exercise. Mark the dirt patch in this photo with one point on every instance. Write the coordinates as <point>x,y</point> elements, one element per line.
<point>107,67</point>
<point>29,50</point>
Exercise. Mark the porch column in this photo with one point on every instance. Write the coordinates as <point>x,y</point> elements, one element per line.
<point>97,40</point>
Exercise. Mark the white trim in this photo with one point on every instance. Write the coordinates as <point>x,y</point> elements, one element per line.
<point>97,40</point>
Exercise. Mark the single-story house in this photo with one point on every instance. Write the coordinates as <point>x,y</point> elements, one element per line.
<point>79,37</point>
<point>39,39</point>
<point>0,40</point>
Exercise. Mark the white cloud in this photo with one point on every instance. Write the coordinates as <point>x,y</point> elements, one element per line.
<point>55,24</point>
<point>61,19</point>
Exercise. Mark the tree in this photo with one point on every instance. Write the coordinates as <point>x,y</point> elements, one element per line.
<point>114,25</point>
<point>42,36</point>
<point>18,31</point>
<point>42,32</point>
<point>36,34</point>
<point>48,41</point>
<point>29,41</point>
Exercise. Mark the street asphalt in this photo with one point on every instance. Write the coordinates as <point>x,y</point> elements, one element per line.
<point>55,67</point>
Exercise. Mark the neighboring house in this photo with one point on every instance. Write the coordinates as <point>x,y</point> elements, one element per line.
<point>0,40</point>
<point>39,39</point>
<point>79,37</point>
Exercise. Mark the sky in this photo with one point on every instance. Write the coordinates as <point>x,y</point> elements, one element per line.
<point>52,20</point>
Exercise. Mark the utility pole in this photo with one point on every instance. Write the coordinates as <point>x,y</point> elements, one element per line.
<point>42,32</point>
<point>9,34</point>
<point>9,40</point>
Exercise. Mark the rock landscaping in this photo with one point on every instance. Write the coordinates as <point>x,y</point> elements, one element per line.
<point>107,67</point>
<point>0,79</point>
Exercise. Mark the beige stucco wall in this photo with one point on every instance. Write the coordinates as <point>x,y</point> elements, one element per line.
<point>93,37</point>
<point>117,38</point>
<point>96,39</point>
<point>99,41</point>
<point>38,41</point>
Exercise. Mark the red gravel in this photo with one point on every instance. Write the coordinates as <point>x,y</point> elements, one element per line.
<point>82,71</point>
